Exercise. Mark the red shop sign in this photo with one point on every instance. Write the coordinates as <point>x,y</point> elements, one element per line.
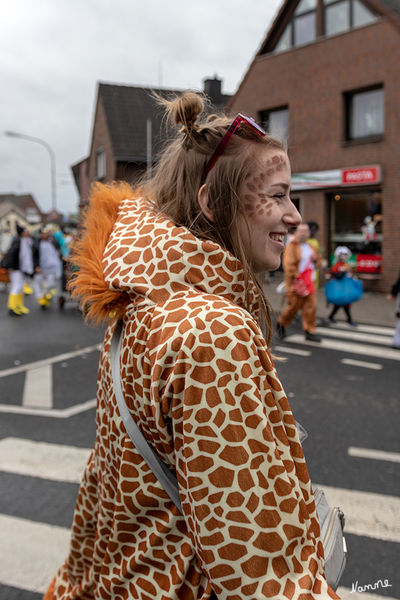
<point>369,263</point>
<point>361,175</point>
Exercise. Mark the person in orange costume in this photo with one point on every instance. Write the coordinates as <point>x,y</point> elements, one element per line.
<point>299,256</point>
<point>176,260</point>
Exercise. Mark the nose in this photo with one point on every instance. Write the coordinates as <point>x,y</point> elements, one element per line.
<point>292,217</point>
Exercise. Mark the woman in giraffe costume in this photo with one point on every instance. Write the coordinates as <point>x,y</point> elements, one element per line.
<point>179,259</point>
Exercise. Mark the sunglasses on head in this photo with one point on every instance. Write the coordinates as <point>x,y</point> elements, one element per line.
<point>227,136</point>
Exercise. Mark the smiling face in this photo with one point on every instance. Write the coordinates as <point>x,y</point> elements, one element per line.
<point>267,207</point>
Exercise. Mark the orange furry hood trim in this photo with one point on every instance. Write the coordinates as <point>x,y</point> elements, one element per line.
<point>131,254</point>
<point>99,302</point>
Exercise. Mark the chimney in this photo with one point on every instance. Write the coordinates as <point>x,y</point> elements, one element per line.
<point>212,88</point>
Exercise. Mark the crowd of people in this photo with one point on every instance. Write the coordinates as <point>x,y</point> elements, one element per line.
<point>35,264</point>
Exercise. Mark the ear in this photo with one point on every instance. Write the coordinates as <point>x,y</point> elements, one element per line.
<point>202,197</point>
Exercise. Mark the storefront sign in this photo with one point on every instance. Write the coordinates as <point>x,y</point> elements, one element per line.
<point>369,263</point>
<point>336,178</point>
<point>361,175</point>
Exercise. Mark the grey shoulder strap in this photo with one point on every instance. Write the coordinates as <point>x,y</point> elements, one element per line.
<point>167,479</point>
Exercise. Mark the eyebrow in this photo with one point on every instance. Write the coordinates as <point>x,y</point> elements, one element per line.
<point>283,185</point>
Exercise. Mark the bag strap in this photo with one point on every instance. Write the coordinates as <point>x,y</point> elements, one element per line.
<point>166,477</point>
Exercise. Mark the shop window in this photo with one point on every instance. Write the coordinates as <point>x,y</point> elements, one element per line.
<point>100,163</point>
<point>356,222</point>
<point>276,122</point>
<point>364,113</point>
<point>342,15</point>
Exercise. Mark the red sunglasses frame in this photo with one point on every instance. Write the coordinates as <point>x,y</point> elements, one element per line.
<point>240,118</point>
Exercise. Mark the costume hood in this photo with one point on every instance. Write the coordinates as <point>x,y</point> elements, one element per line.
<point>129,255</point>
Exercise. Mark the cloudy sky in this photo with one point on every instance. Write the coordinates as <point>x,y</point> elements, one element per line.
<point>53,53</point>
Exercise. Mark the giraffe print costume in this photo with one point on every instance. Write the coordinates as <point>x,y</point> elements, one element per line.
<point>199,380</point>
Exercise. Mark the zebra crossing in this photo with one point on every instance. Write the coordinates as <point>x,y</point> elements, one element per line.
<point>34,545</point>
<point>364,340</point>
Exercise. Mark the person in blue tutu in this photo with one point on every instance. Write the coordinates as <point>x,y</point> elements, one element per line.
<point>340,271</point>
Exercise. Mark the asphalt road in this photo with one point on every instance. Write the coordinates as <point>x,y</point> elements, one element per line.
<point>48,366</point>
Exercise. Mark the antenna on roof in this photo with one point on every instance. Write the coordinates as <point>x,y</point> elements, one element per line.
<point>160,74</point>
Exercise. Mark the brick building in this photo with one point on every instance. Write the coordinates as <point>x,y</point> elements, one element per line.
<point>326,79</point>
<point>128,133</point>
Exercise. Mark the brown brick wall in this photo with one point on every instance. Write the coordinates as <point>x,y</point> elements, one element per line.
<point>311,80</point>
<point>101,138</point>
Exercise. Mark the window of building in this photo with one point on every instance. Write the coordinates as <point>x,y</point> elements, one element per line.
<point>337,17</point>
<point>342,15</point>
<point>276,122</point>
<point>100,163</point>
<point>285,41</point>
<point>361,14</point>
<point>302,29</point>
<point>364,113</point>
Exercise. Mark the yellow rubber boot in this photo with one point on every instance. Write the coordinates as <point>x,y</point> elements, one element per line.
<point>27,289</point>
<point>12,305</point>
<point>20,305</point>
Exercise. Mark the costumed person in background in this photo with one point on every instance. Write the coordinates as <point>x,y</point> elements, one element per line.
<point>63,243</point>
<point>395,295</point>
<point>341,271</point>
<point>313,241</point>
<point>300,261</point>
<point>19,261</point>
<point>177,260</point>
<point>48,261</point>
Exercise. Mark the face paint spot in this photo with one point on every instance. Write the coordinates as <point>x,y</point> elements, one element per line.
<point>252,187</point>
<point>270,172</point>
<point>269,212</point>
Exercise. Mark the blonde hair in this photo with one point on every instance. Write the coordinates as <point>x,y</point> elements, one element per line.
<point>178,176</point>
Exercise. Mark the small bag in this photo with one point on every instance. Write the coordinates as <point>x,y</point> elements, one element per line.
<point>304,284</point>
<point>331,520</point>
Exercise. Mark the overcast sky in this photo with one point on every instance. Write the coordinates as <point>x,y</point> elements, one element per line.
<point>53,53</point>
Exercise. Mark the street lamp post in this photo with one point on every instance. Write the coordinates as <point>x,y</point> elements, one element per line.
<point>52,160</point>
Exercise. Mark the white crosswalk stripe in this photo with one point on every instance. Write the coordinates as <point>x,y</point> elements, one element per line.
<point>364,340</point>
<point>30,553</point>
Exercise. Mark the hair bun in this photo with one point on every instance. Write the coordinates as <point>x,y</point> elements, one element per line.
<point>185,110</point>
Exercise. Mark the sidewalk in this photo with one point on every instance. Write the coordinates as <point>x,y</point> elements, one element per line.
<point>372,309</point>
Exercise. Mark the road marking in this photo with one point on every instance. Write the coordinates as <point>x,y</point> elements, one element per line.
<point>49,361</point>
<point>38,388</point>
<point>389,331</point>
<point>361,363</point>
<point>57,413</point>
<point>57,462</point>
<point>344,592</point>
<point>342,346</point>
<point>31,553</point>
<point>292,350</point>
<point>367,514</point>
<point>355,335</point>
<point>374,454</point>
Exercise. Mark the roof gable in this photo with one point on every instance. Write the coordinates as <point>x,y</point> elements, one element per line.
<point>388,8</point>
